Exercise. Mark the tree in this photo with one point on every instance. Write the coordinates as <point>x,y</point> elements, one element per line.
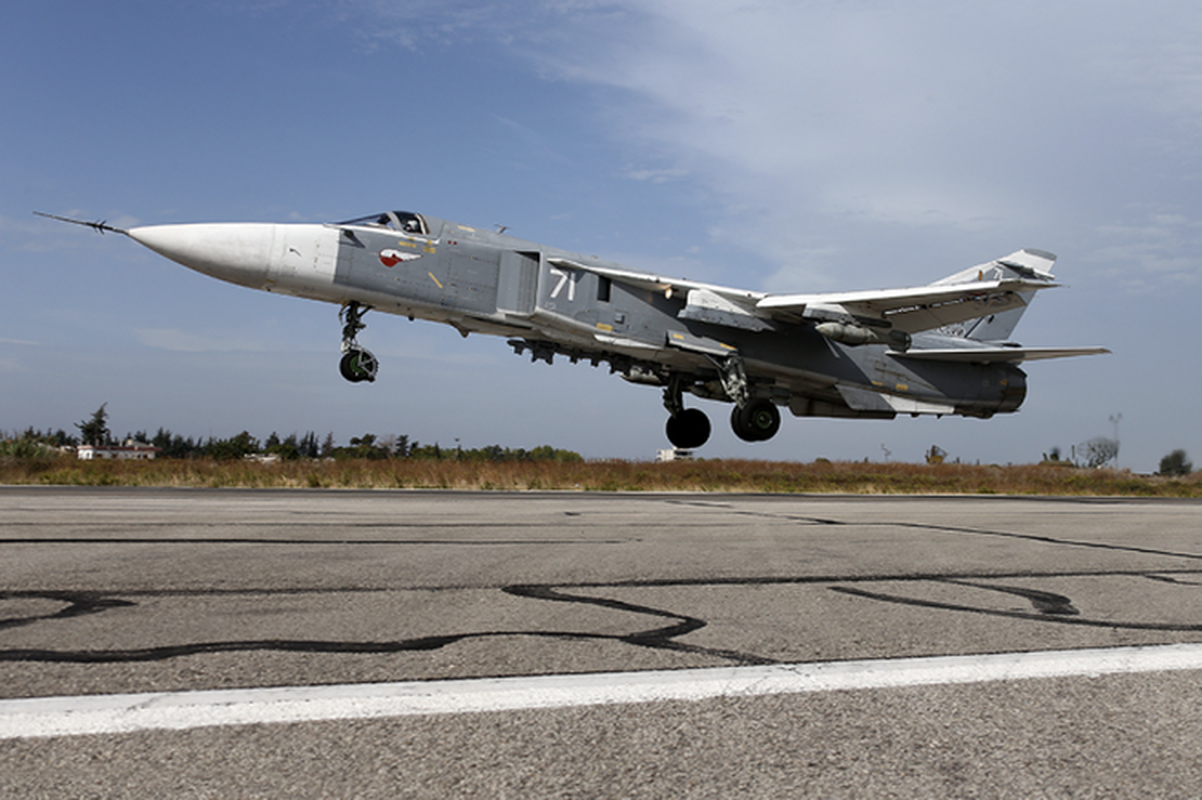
<point>401,448</point>
<point>95,431</point>
<point>308,446</point>
<point>1098,451</point>
<point>239,446</point>
<point>362,447</point>
<point>173,445</point>
<point>1175,463</point>
<point>288,450</point>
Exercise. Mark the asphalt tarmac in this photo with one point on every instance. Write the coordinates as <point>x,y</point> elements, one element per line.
<point>111,591</point>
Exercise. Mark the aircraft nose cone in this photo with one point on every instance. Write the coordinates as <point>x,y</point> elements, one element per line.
<point>237,252</point>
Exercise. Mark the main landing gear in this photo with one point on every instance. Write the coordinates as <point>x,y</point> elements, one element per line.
<point>758,421</point>
<point>752,419</point>
<point>687,427</point>
<point>358,363</point>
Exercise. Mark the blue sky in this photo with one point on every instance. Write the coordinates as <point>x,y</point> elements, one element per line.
<point>780,146</point>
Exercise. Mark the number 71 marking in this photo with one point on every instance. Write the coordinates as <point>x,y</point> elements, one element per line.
<point>571,278</point>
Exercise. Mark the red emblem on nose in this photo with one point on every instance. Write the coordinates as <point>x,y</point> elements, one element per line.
<point>390,257</point>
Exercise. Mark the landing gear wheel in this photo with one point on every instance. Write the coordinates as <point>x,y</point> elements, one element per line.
<point>758,421</point>
<point>358,364</point>
<point>689,429</point>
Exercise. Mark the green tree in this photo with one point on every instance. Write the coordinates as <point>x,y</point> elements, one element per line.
<point>308,446</point>
<point>288,450</point>
<point>362,447</point>
<point>232,449</point>
<point>173,445</point>
<point>1175,463</point>
<point>400,446</point>
<point>95,431</point>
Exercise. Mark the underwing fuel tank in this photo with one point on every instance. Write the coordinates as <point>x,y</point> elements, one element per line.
<point>855,335</point>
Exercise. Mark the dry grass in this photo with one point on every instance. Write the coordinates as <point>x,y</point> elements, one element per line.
<point>694,476</point>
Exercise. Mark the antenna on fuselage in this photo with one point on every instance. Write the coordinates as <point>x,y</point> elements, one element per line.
<point>102,226</point>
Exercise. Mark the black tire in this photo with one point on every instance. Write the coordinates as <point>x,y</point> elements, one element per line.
<point>758,421</point>
<point>358,365</point>
<point>689,429</point>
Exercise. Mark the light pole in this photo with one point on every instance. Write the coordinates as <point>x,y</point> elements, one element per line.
<point>1114,420</point>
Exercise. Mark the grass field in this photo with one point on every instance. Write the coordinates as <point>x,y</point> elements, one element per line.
<point>604,476</point>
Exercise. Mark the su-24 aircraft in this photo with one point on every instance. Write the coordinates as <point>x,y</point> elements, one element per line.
<point>938,349</point>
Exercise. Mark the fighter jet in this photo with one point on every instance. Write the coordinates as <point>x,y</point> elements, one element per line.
<point>943,348</point>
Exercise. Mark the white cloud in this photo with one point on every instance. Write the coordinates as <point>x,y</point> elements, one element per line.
<point>1158,253</point>
<point>830,127</point>
<point>662,175</point>
<point>830,136</point>
<point>181,341</point>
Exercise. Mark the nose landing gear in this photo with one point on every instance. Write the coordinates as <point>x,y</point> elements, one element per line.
<point>358,363</point>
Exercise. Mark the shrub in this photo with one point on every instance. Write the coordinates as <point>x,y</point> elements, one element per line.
<point>1175,463</point>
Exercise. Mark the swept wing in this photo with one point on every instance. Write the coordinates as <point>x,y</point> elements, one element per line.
<point>911,310</point>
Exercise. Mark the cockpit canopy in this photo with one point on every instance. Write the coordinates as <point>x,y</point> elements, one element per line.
<point>400,221</point>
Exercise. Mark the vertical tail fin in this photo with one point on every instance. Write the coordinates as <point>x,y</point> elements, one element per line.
<point>1030,264</point>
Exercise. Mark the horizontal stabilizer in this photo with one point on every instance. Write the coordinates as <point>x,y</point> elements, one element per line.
<point>991,355</point>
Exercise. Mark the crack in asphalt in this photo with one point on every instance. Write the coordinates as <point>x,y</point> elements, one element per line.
<point>1048,607</point>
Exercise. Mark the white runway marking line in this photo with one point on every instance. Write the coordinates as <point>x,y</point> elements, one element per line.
<point>106,714</point>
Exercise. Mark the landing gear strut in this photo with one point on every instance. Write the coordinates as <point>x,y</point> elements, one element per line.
<point>753,420</point>
<point>358,364</point>
<point>687,427</point>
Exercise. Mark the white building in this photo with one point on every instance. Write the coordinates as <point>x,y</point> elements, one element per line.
<point>126,452</point>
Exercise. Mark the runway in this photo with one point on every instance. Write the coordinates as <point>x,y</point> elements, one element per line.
<point>162,592</point>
